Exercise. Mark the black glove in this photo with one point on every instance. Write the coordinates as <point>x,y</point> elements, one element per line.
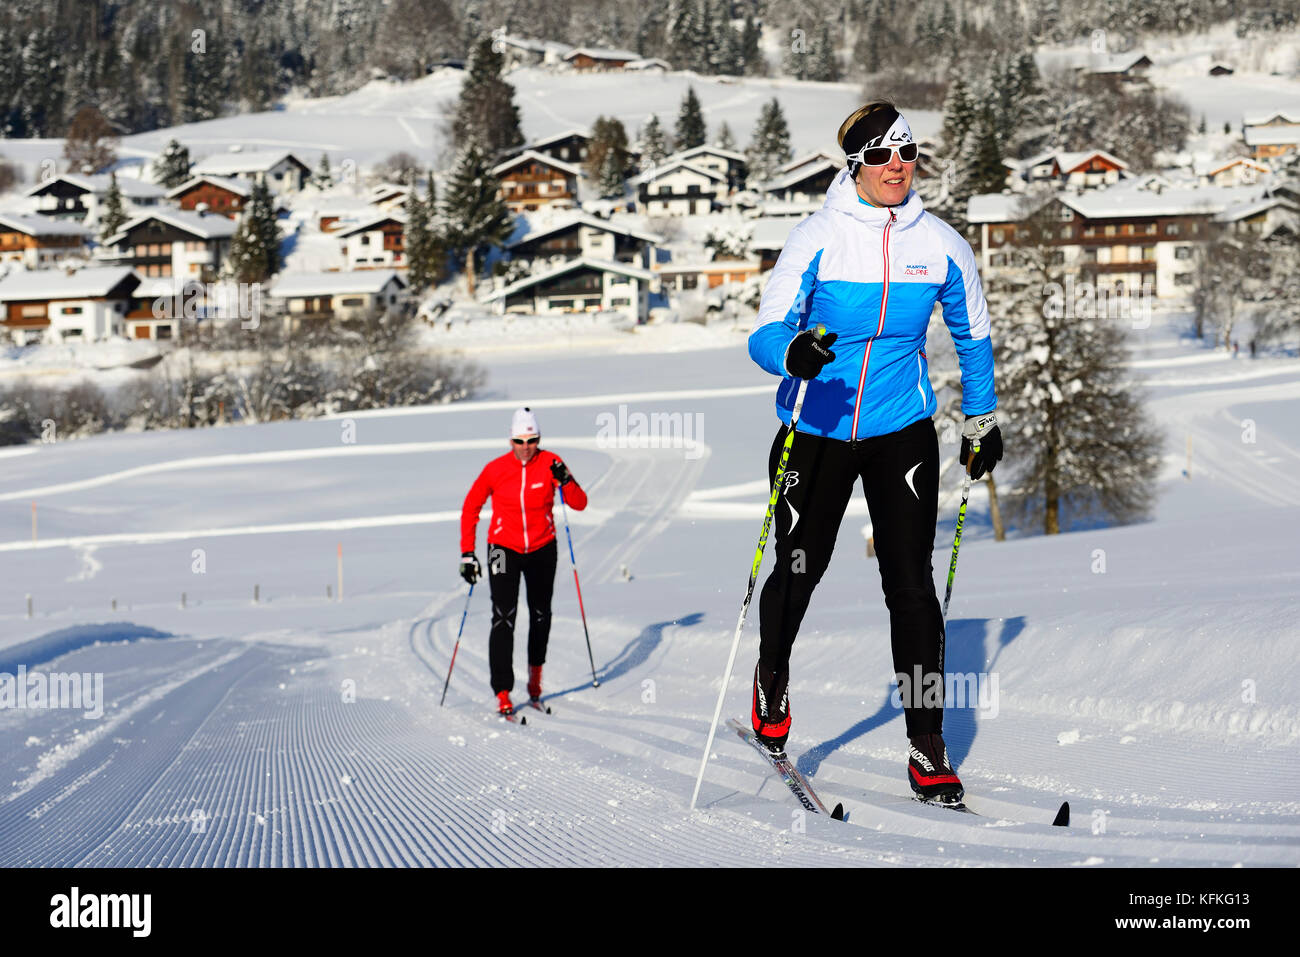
<point>981,443</point>
<point>561,473</point>
<point>470,569</point>
<point>807,354</point>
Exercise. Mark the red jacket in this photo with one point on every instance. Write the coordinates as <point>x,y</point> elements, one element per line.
<point>522,497</point>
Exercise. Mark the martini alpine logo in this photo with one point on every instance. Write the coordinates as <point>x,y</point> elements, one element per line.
<point>910,270</point>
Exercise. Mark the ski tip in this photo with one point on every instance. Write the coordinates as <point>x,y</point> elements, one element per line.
<point>523,719</point>
<point>838,813</point>
<point>1063,815</point>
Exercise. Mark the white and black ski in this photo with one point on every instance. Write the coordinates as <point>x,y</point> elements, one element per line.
<point>788,773</point>
<point>539,705</point>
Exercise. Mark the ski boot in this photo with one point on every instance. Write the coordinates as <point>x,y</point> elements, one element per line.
<point>535,682</point>
<point>930,774</point>
<point>771,714</point>
<point>504,707</point>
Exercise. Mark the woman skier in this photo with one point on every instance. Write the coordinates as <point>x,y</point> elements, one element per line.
<point>869,266</point>
<point>521,541</point>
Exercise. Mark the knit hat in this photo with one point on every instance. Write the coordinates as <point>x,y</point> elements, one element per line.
<point>523,424</point>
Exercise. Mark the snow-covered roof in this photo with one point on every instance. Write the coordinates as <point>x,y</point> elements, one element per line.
<point>601,53</point>
<point>556,137</point>
<point>202,225</point>
<point>223,182</point>
<point>706,266</point>
<point>787,209</point>
<point>994,208</point>
<point>771,232</point>
<point>387,191</point>
<point>89,283</point>
<point>1215,167</point>
<point>806,158</point>
<point>1114,62</point>
<point>1119,202</point>
<point>294,284</point>
<point>580,218</point>
<point>532,46</point>
<point>669,165</point>
<point>533,155</point>
<point>235,163</point>
<point>1073,160</point>
<point>1247,209</point>
<point>1259,119</point>
<point>34,224</point>
<point>604,265</point>
<point>796,176</point>
<point>370,224</point>
<point>1271,135</point>
<point>709,150</point>
<point>649,63</point>
<point>98,184</point>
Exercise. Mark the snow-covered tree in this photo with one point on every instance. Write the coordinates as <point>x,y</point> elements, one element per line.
<point>690,130</point>
<point>770,147</point>
<point>172,167</point>
<point>724,139</point>
<point>323,178</point>
<point>729,241</point>
<point>486,112</point>
<point>473,213</point>
<point>1079,443</point>
<point>91,143</point>
<point>114,213</point>
<point>654,143</point>
<point>255,247</point>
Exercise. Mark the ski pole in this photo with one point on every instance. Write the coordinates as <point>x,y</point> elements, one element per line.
<point>595,682</point>
<point>753,576</point>
<point>459,632</point>
<point>956,539</point>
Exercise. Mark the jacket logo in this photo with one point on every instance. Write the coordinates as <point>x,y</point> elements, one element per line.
<point>909,270</point>
<point>537,485</point>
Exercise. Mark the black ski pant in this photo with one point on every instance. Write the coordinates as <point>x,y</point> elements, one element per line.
<point>504,568</point>
<point>900,476</point>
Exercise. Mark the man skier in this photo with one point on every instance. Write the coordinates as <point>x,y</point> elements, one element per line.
<point>869,266</point>
<point>521,540</point>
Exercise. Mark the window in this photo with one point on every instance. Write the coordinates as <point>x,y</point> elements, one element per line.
<point>72,310</point>
<point>353,301</point>
<point>365,239</point>
<point>1183,279</point>
<point>1149,253</point>
<point>1171,229</point>
<point>163,331</point>
<point>1182,252</point>
<point>1065,232</point>
<point>1090,230</point>
<point>620,302</point>
<point>1110,229</point>
<point>1149,229</point>
<point>34,312</point>
<point>998,235</point>
<point>665,190</point>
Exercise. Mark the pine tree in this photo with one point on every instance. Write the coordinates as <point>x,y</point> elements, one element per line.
<point>419,238</point>
<point>770,147</point>
<point>682,34</point>
<point>958,116</point>
<point>323,178</point>
<point>611,181</point>
<point>255,248</point>
<point>473,212</point>
<point>725,140</point>
<point>172,167</point>
<point>824,66</point>
<point>690,131</point>
<point>980,165</point>
<point>113,215</point>
<point>654,143</point>
<point>1084,443</point>
<point>486,112</point>
<point>607,136</point>
<point>751,52</point>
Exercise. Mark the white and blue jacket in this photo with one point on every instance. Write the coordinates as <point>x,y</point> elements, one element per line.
<point>873,274</point>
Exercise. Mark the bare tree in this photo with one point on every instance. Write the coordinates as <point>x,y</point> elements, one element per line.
<point>91,142</point>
